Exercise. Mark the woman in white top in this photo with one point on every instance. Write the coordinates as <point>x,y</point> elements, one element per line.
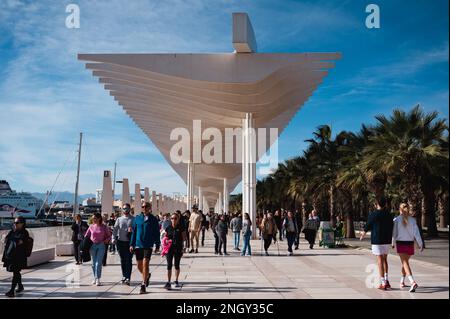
<point>404,234</point>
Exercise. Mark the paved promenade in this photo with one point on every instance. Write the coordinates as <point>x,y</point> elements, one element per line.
<point>317,273</point>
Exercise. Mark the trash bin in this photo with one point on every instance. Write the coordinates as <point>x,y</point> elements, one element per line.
<point>326,235</point>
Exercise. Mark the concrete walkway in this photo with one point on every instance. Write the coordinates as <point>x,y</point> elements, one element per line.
<point>317,273</point>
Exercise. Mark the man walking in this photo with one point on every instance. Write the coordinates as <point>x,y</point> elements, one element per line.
<point>236,227</point>
<point>381,224</point>
<point>145,234</point>
<point>222,232</point>
<point>290,226</point>
<point>121,237</point>
<point>214,220</point>
<point>299,222</point>
<point>195,226</point>
<point>205,225</point>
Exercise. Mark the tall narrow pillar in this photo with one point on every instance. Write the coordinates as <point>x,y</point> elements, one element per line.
<point>219,203</point>
<point>249,169</point>
<point>200,198</point>
<point>125,191</point>
<point>107,199</point>
<point>137,199</point>
<point>146,195</point>
<point>154,204</point>
<point>160,203</point>
<point>190,185</point>
<point>226,195</point>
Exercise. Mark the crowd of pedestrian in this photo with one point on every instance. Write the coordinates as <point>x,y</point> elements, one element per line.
<point>178,233</point>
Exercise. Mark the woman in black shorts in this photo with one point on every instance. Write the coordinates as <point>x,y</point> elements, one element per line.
<point>175,233</point>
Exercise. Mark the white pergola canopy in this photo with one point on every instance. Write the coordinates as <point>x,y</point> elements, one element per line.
<point>161,92</point>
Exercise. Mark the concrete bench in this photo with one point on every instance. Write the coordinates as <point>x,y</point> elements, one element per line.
<point>41,256</point>
<point>64,249</point>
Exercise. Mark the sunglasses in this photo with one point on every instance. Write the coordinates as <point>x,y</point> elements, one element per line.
<point>17,223</point>
<point>173,218</point>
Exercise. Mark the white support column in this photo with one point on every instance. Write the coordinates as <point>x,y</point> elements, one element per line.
<point>137,199</point>
<point>125,191</point>
<point>200,198</point>
<point>249,169</point>
<point>154,204</point>
<point>226,199</point>
<point>107,199</point>
<point>146,195</point>
<point>190,186</point>
<point>205,204</point>
<point>220,201</point>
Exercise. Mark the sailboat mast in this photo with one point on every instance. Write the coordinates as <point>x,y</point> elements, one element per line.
<point>75,202</point>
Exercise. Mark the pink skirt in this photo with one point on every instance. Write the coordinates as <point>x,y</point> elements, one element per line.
<point>403,248</point>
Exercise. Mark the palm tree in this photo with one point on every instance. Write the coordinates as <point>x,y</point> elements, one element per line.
<point>323,152</point>
<point>407,144</point>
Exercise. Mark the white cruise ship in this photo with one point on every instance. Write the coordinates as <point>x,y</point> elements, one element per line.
<point>13,204</point>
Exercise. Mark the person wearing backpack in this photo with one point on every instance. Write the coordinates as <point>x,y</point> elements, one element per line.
<point>18,246</point>
<point>79,228</point>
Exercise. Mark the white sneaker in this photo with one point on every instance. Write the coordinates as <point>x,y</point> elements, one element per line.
<point>414,286</point>
<point>94,282</point>
<point>98,283</point>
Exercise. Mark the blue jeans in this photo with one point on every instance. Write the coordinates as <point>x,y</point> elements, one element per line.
<point>237,238</point>
<point>97,252</point>
<point>247,244</point>
<point>126,258</point>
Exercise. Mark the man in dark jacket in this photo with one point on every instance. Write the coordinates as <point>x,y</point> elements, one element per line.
<point>222,232</point>
<point>145,234</point>
<point>380,223</point>
<point>299,222</point>
<point>213,221</point>
<point>79,228</point>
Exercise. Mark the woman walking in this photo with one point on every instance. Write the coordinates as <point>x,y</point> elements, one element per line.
<point>247,235</point>
<point>176,236</point>
<point>100,235</point>
<point>15,254</point>
<point>79,228</point>
<point>310,230</point>
<point>404,234</point>
<point>268,231</point>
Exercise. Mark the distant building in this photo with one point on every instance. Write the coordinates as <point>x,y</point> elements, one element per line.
<point>90,201</point>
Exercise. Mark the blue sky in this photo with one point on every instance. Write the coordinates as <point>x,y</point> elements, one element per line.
<point>47,97</point>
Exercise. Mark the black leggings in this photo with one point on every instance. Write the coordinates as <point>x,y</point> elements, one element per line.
<point>16,280</point>
<point>170,256</point>
<point>267,241</point>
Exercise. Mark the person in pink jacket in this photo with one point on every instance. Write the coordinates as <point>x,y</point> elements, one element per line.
<point>100,235</point>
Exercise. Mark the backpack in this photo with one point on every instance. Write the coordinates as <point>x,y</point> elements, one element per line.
<point>29,246</point>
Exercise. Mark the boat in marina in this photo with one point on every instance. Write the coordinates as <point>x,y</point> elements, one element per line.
<point>14,204</point>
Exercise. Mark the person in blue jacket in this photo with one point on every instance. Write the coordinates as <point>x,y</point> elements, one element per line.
<point>145,235</point>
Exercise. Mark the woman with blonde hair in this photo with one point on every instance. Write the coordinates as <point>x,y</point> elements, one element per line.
<point>405,233</point>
